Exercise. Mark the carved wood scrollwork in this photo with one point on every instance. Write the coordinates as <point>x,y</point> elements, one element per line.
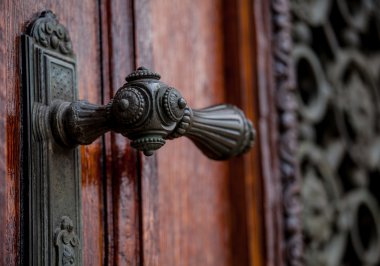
<point>287,107</point>
<point>337,65</point>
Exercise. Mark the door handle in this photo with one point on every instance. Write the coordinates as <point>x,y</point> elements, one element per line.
<point>145,110</point>
<point>149,112</point>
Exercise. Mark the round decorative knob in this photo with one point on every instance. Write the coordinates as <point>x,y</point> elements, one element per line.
<point>174,104</point>
<point>129,107</point>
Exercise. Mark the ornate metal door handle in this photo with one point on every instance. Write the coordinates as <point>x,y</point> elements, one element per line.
<point>145,110</point>
<point>149,112</point>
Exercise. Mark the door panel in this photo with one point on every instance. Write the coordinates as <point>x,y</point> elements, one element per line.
<point>149,220</point>
<point>183,41</point>
<point>121,189</point>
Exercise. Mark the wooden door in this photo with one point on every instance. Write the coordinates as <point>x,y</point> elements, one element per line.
<point>174,208</point>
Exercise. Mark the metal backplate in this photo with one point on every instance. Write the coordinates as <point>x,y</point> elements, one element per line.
<point>51,180</point>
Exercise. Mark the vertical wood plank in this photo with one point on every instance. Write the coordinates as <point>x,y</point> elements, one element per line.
<point>149,182</point>
<point>242,87</point>
<point>3,143</point>
<point>84,25</point>
<point>121,175</point>
<point>10,139</point>
<point>186,206</point>
<point>150,219</point>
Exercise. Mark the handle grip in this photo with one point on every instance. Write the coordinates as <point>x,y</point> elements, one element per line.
<point>220,131</point>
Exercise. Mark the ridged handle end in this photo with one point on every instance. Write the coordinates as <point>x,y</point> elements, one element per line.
<point>220,131</point>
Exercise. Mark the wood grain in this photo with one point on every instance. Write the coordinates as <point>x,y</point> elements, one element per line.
<point>182,40</point>
<point>149,181</point>
<point>3,136</point>
<point>81,18</point>
<point>241,75</point>
<point>122,172</point>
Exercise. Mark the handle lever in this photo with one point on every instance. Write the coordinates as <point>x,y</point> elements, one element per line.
<point>149,112</point>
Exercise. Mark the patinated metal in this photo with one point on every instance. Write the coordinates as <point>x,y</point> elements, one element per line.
<point>149,112</point>
<point>337,65</point>
<point>66,242</point>
<point>52,181</point>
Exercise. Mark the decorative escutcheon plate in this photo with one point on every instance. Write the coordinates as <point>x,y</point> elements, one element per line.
<point>52,174</point>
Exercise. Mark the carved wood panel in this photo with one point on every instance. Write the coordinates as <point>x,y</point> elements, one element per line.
<point>336,59</point>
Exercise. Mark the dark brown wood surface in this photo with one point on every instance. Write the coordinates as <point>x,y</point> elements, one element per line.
<point>121,172</point>
<point>187,202</point>
<point>150,224</point>
<point>195,210</point>
<point>242,74</point>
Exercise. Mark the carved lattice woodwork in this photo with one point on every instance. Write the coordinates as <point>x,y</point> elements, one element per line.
<point>336,57</point>
<point>286,104</point>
